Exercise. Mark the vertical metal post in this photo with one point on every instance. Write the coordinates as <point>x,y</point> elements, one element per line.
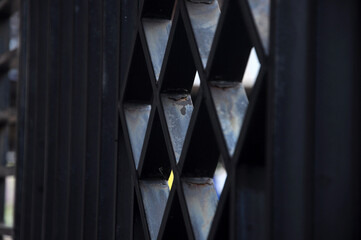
<point>337,121</point>
<point>315,120</point>
<point>291,119</point>
<point>93,122</point>
<point>29,119</point>
<point>124,224</point>
<point>109,120</point>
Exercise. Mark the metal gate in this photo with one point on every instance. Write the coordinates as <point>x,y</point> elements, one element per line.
<point>129,111</point>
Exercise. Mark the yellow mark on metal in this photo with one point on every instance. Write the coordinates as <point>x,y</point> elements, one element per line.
<point>170,180</point>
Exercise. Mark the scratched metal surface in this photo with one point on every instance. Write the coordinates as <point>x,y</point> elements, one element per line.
<point>155,195</point>
<point>231,104</point>
<point>261,14</point>
<point>178,110</point>
<point>204,19</point>
<point>202,200</point>
<point>137,116</point>
<point>157,34</point>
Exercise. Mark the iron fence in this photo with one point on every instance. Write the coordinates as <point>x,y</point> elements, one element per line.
<point>129,110</point>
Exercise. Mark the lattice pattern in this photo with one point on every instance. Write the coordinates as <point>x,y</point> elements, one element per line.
<point>172,125</point>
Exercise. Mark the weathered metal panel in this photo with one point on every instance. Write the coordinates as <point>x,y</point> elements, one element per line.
<point>261,10</point>
<point>231,102</point>
<point>155,195</point>
<point>137,116</point>
<point>178,110</point>
<point>202,200</point>
<point>204,19</point>
<point>157,34</point>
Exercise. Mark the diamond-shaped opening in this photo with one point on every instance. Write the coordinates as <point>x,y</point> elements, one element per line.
<point>261,14</point>
<point>233,46</point>
<point>138,232</point>
<point>179,68</point>
<point>174,228</point>
<point>155,195</point>
<point>138,86</point>
<point>204,16</point>
<point>202,195</point>
<point>200,156</point>
<point>157,30</point>
<point>251,72</point>
<point>137,100</point>
<point>178,88</point>
<point>198,166</point>
<point>155,163</point>
<point>231,102</point>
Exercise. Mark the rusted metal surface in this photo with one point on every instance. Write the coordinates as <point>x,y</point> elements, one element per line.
<point>155,195</point>
<point>157,34</point>
<point>261,14</point>
<point>230,100</point>
<point>178,110</point>
<point>204,19</point>
<point>202,200</point>
<point>137,116</point>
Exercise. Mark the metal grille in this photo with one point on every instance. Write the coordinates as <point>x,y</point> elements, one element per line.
<point>174,126</point>
<point>128,111</point>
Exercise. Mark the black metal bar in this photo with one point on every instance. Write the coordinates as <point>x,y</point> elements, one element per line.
<point>52,124</point>
<point>124,223</point>
<point>62,186</point>
<point>291,121</point>
<point>29,145</point>
<point>337,121</point>
<point>93,122</point>
<point>78,120</point>
<point>109,125</point>
<point>40,122</point>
